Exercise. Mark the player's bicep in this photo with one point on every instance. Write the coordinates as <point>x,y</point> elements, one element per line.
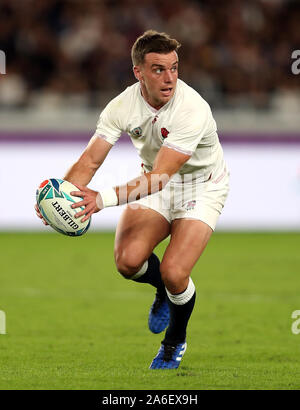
<point>169,161</point>
<point>96,151</point>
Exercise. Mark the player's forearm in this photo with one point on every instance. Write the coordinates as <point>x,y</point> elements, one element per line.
<point>91,159</point>
<point>167,163</point>
<point>140,187</point>
<point>80,173</point>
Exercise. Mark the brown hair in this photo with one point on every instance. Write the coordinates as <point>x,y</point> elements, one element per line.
<point>152,42</point>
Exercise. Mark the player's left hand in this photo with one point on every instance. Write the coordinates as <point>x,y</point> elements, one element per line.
<point>88,201</point>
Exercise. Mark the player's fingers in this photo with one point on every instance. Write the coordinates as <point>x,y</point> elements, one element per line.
<point>79,214</point>
<point>79,204</point>
<point>77,193</point>
<point>37,209</point>
<point>87,212</point>
<point>80,187</point>
<point>43,220</point>
<point>88,215</point>
<point>38,213</point>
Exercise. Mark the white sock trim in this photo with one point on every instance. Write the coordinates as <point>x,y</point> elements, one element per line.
<point>140,272</point>
<point>184,297</point>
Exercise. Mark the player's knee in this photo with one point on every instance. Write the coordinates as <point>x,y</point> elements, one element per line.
<point>128,262</point>
<point>175,277</point>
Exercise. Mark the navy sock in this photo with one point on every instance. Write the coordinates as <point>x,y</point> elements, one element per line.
<point>152,274</point>
<point>179,317</point>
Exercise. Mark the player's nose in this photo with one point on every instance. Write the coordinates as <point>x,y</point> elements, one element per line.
<point>168,78</point>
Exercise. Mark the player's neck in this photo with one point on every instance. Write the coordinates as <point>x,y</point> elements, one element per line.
<point>151,108</point>
<point>152,104</point>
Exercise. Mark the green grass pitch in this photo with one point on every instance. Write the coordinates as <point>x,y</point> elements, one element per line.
<point>73,323</point>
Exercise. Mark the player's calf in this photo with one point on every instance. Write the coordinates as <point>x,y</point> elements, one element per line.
<point>149,272</point>
<point>181,306</point>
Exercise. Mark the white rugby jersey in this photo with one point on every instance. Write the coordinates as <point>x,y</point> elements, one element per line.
<point>184,124</point>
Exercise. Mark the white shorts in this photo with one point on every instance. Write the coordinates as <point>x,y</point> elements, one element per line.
<point>203,201</point>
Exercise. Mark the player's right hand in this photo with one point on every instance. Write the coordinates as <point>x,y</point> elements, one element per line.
<point>37,211</point>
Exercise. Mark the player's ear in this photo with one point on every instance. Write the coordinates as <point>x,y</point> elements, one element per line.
<point>137,72</point>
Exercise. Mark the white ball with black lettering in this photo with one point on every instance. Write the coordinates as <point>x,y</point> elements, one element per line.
<point>54,201</point>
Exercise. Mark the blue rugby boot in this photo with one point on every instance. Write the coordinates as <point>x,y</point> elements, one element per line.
<point>168,356</point>
<point>159,314</point>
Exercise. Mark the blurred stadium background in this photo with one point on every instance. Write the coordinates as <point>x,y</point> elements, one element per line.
<point>66,59</point>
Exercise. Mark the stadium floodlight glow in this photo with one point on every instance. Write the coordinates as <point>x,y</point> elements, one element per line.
<point>2,62</point>
<point>2,323</point>
<point>296,63</point>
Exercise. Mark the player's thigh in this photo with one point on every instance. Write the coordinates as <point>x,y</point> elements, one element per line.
<point>138,232</point>
<point>189,238</point>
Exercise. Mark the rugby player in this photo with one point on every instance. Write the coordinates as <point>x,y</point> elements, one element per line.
<point>181,191</point>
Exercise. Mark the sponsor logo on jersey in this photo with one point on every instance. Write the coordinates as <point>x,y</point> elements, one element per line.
<point>164,132</point>
<point>136,132</point>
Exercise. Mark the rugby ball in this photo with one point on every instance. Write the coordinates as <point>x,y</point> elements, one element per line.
<point>54,201</point>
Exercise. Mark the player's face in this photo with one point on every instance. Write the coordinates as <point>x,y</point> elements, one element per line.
<point>158,76</point>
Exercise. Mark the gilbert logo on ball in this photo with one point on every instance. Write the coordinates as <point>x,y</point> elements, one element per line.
<point>54,201</point>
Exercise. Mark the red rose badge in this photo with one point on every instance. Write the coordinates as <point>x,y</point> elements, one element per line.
<point>164,132</point>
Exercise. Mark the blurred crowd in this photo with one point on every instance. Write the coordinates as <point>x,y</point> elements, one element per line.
<point>76,53</point>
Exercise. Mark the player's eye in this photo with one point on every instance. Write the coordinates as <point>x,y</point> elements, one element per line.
<point>174,69</point>
<point>158,70</point>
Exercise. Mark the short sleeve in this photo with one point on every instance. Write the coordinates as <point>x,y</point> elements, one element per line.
<point>188,128</point>
<point>109,125</point>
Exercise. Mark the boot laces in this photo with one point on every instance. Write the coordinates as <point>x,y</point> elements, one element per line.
<point>168,352</point>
